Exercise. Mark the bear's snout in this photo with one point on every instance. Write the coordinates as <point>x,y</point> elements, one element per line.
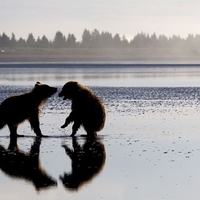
<point>55,90</point>
<point>60,94</point>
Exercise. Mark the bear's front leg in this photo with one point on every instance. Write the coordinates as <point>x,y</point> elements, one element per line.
<point>35,125</point>
<point>68,120</point>
<point>75,127</point>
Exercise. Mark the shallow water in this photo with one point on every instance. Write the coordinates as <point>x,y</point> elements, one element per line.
<point>116,75</point>
<point>149,148</point>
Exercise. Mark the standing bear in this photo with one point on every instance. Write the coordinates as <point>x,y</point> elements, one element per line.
<point>87,109</point>
<point>18,108</point>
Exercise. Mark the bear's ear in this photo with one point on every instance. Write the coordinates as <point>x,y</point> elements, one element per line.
<point>72,83</point>
<point>75,83</point>
<point>37,84</point>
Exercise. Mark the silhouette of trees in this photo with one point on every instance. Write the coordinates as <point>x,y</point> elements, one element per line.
<point>177,42</point>
<point>163,41</point>
<point>117,41</point>
<point>140,41</point>
<point>43,42</point>
<point>86,39</point>
<point>21,42</point>
<point>30,42</point>
<point>13,40</point>
<point>104,39</point>
<point>71,41</point>
<point>96,38</point>
<point>5,40</point>
<point>124,42</point>
<point>59,40</point>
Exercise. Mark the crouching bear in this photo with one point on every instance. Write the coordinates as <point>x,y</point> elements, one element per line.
<point>18,108</point>
<point>87,109</point>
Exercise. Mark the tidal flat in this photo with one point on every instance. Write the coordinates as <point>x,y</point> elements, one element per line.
<point>148,149</point>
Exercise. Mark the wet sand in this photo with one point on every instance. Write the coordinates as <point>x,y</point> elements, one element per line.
<point>149,149</point>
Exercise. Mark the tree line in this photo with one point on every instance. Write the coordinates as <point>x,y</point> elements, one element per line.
<point>96,39</point>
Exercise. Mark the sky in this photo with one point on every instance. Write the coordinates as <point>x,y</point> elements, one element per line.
<point>125,17</point>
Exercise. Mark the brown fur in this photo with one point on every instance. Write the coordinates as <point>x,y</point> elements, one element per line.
<point>87,109</point>
<point>18,108</point>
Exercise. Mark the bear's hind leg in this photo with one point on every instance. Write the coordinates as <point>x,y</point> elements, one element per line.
<point>91,134</point>
<point>13,130</point>
<point>90,130</point>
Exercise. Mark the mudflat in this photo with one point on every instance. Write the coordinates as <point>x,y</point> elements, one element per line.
<point>148,149</point>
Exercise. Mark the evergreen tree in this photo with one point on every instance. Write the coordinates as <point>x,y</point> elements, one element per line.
<point>21,42</point>
<point>71,41</point>
<point>96,39</point>
<point>190,41</point>
<point>59,40</point>
<point>30,42</point>
<point>44,42</point>
<point>153,41</point>
<point>163,42</point>
<point>139,41</point>
<point>5,40</point>
<point>176,42</point>
<point>107,40</point>
<point>86,39</point>
<point>124,42</point>
<point>13,40</point>
<point>38,42</point>
<point>117,41</point>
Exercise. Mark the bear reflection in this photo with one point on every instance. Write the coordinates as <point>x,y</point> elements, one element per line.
<point>27,166</point>
<point>87,161</point>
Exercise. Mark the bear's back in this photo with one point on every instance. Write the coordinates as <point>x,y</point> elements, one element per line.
<point>19,101</point>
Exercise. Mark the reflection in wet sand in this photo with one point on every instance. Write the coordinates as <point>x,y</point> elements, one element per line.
<point>17,164</point>
<point>87,161</point>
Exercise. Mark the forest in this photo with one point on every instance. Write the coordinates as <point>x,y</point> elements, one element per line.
<point>97,39</point>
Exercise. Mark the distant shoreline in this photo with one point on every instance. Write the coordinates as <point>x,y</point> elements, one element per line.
<point>85,65</point>
<point>81,55</point>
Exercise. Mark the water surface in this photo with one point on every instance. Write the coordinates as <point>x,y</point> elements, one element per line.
<point>127,75</point>
<point>149,148</point>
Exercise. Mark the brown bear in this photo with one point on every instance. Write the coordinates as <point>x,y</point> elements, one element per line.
<point>87,109</point>
<point>18,108</point>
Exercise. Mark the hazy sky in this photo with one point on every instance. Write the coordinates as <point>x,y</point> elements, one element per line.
<point>128,17</point>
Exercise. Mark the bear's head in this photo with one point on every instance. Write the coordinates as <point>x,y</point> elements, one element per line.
<point>69,90</point>
<point>44,91</point>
